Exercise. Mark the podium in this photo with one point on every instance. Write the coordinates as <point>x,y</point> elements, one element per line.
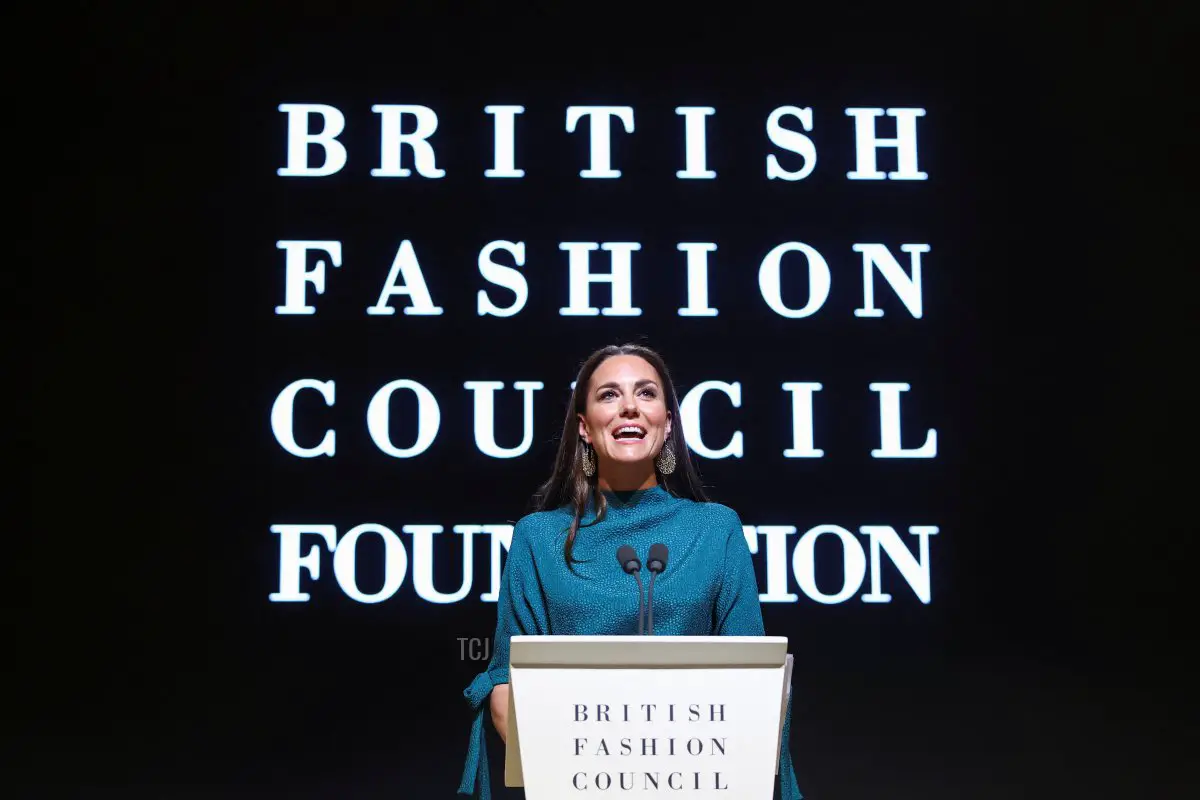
<point>656,715</point>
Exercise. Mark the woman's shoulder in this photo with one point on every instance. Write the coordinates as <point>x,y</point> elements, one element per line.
<point>712,513</point>
<point>717,523</point>
<point>541,526</point>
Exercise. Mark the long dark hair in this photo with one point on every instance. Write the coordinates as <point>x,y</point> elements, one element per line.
<point>569,486</point>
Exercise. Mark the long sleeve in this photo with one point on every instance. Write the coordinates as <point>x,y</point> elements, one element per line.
<point>738,612</point>
<point>520,610</point>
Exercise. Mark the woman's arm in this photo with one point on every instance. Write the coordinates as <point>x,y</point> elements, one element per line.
<point>499,708</point>
<point>737,611</point>
<point>520,610</point>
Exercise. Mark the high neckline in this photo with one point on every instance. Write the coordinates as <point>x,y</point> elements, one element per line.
<point>634,498</point>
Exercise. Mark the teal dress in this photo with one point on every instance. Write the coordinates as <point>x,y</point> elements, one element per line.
<point>708,589</point>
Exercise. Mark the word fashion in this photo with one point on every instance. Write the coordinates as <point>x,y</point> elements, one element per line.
<point>305,265</point>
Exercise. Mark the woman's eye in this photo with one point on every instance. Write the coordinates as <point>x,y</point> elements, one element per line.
<point>649,393</point>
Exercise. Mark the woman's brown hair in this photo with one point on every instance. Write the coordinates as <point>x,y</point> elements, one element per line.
<point>569,486</point>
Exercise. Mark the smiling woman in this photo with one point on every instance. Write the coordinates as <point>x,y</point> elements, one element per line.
<point>622,478</point>
<point>625,423</point>
<point>619,435</point>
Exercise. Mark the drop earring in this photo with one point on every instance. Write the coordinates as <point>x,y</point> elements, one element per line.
<point>665,462</point>
<point>587,460</point>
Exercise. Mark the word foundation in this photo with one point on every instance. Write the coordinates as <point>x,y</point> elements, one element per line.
<point>770,543</point>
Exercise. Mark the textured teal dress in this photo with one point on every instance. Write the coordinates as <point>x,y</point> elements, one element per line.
<point>708,589</point>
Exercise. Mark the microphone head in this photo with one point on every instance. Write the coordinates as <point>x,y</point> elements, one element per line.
<point>627,556</point>
<point>657,560</point>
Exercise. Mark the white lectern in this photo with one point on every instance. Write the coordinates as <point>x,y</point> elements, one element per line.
<point>701,715</point>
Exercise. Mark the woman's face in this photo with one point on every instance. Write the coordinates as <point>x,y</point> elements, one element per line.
<point>626,418</point>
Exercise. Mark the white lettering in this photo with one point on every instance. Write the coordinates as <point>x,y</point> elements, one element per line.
<point>395,563</point>
<point>422,538</point>
<point>697,279</point>
<point>791,141</point>
<point>802,420</point>
<point>777,579</point>
<point>889,425</point>
<point>906,288</point>
<point>866,143</point>
<point>430,540</point>
<point>581,279</point>
<point>504,152</point>
<point>405,264</point>
<point>391,141</point>
<point>600,125</point>
<point>485,417</point>
<point>300,137</point>
<point>689,411</point>
<point>508,277</point>
<point>291,562</point>
<point>915,571</point>
<point>818,280</point>
<point>282,419</point>
<point>501,540</point>
<point>854,564</point>
<point>429,419</point>
<point>694,149</point>
<point>296,274</point>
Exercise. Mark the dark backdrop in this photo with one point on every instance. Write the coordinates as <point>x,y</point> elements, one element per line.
<point>1050,659</point>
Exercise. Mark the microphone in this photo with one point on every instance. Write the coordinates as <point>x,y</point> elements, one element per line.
<point>628,559</point>
<point>657,562</point>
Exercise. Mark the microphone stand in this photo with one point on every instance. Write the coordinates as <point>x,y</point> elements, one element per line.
<point>630,564</point>
<point>641,605</point>
<point>650,605</point>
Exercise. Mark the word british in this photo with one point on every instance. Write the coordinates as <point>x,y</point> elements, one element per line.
<point>315,127</point>
<point>429,543</point>
<point>621,712</point>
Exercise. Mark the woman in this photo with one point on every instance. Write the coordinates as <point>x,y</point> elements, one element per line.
<point>622,476</point>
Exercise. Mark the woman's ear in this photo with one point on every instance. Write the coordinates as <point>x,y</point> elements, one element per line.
<point>668,423</point>
<point>583,434</point>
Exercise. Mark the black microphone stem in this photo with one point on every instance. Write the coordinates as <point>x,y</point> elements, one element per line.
<point>657,562</point>
<point>650,605</point>
<point>641,600</point>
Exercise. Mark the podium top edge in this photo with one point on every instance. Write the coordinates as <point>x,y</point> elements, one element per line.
<point>652,641</point>
<point>647,651</point>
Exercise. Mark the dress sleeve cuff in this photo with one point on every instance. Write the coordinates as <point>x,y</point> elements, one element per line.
<point>476,780</point>
<point>477,693</point>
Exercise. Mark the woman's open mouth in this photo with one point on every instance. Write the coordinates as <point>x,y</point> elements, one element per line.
<point>629,434</point>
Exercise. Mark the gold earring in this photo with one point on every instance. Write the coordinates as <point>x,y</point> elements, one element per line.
<point>589,462</point>
<point>665,462</point>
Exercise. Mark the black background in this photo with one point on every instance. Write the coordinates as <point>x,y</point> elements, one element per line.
<point>149,663</point>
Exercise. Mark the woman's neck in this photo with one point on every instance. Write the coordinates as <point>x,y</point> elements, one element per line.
<point>626,480</point>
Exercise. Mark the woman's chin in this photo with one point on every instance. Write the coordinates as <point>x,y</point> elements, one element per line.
<point>630,460</point>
